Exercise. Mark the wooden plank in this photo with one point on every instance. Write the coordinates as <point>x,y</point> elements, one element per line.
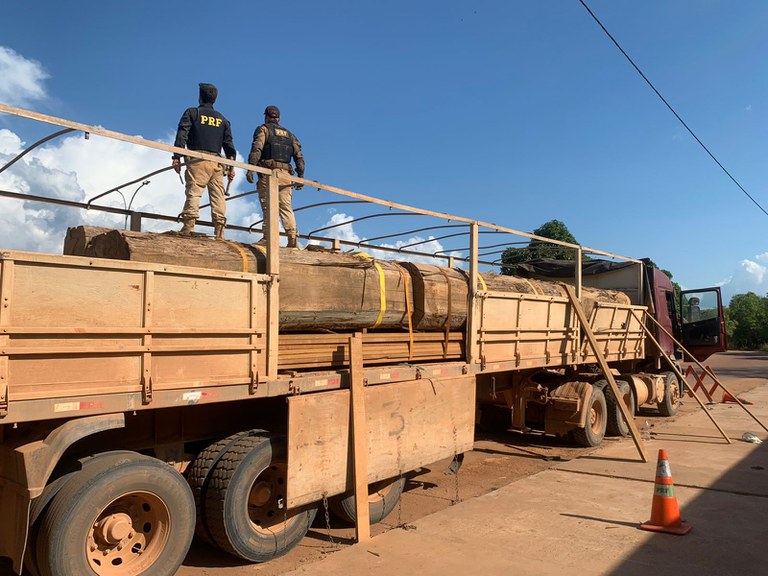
<point>7,268</point>
<point>410,424</point>
<point>358,438</point>
<point>628,418</point>
<point>272,221</point>
<point>682,379</point>
<point>711,374</point>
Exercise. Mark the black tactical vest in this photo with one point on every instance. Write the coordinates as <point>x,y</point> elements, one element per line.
<point>279,145</point>
<point>207,132</point>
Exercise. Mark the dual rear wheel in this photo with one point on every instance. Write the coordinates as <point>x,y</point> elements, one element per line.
<point>125,514</point>
<point>239,487</point>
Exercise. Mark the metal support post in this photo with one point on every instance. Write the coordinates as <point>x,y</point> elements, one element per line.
<point>473,309</point>
<point>135,222</point>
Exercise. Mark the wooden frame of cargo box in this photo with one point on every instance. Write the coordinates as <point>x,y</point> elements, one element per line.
<point>124,325</point>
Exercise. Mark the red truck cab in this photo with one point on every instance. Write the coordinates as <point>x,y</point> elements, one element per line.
<point>696,319</point>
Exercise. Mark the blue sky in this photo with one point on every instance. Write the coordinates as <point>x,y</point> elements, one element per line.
<point>507,111</point>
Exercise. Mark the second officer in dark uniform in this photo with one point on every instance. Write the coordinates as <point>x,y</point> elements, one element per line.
<point>273,147</point>
<point>206,130</point>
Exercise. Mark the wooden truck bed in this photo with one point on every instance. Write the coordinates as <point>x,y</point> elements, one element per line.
<point>86,335</point>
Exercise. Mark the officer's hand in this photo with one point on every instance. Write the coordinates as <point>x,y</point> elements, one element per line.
<point>298,186</point>
<point>249,177</point>
<point>176,163</point>
<point>231,173</point>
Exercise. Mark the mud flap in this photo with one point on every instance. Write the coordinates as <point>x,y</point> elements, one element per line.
<point>565,410</point>
<point>410,424</point>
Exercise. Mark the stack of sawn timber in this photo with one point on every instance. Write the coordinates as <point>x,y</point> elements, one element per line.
<point>322,292</point>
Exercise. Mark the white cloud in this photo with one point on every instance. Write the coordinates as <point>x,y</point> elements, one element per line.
<point>751,276</point>
<point>10,143</point>
<point>76,169</point>
<point>22,79</point>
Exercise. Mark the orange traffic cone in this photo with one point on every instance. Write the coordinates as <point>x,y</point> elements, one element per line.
<point>665,514</point>
<point>727,398</point>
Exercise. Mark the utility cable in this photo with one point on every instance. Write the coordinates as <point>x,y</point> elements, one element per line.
<point>670,107</point>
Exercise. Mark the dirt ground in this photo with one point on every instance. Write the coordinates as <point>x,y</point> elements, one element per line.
<point>496,461</point>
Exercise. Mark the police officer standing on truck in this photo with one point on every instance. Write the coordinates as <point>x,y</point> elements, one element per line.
<point>273,147</point>
<point>206,130</point>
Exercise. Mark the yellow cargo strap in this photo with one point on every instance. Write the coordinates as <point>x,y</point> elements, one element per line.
<point>482,282</point>
<point>243,255</point>
<point>447,327</point>
<point>408,309</point>
<point>382,288</point>
<point>535,290</point>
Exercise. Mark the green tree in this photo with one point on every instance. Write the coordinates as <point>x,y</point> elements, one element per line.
<point>748,314</point>
<point>554,229</point>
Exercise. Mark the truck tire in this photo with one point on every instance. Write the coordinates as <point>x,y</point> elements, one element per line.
<point>383,496</point>
<point>594,428</point>
<point>616,425</point>
<point>668,406</point>
<point>125,515</point>
<point>245,510</point>
<point>39,505</point>
<point>199,472</point>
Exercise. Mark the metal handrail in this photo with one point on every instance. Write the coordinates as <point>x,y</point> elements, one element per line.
<point>313,183</point>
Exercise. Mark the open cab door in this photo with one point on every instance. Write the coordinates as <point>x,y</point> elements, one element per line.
<point>703,322</point>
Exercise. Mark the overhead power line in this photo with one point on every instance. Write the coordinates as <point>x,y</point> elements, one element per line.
<point>667,104</point>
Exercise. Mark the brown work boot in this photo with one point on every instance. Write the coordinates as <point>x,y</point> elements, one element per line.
<point>218,231</point>
<point>292,241</point>
<point>188,228</point>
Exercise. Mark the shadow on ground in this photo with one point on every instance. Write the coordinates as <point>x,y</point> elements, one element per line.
<point>728,533</point>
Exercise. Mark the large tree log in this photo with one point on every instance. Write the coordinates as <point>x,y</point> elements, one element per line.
<point>327,290</point>
<point>317,289</point>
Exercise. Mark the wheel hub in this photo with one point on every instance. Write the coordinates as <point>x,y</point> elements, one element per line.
<point>129,535</point>
<point>114,528</point>
<point>261,493</point>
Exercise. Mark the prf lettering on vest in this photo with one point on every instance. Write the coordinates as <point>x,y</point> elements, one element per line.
<point>210,120</point>
<point>280,132</point>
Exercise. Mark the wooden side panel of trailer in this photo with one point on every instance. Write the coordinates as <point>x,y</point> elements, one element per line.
<point>530,330</point>
<point>538,331</point>
<point>75,327</point>
<point>409,424</point>
<point>617,331</point>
